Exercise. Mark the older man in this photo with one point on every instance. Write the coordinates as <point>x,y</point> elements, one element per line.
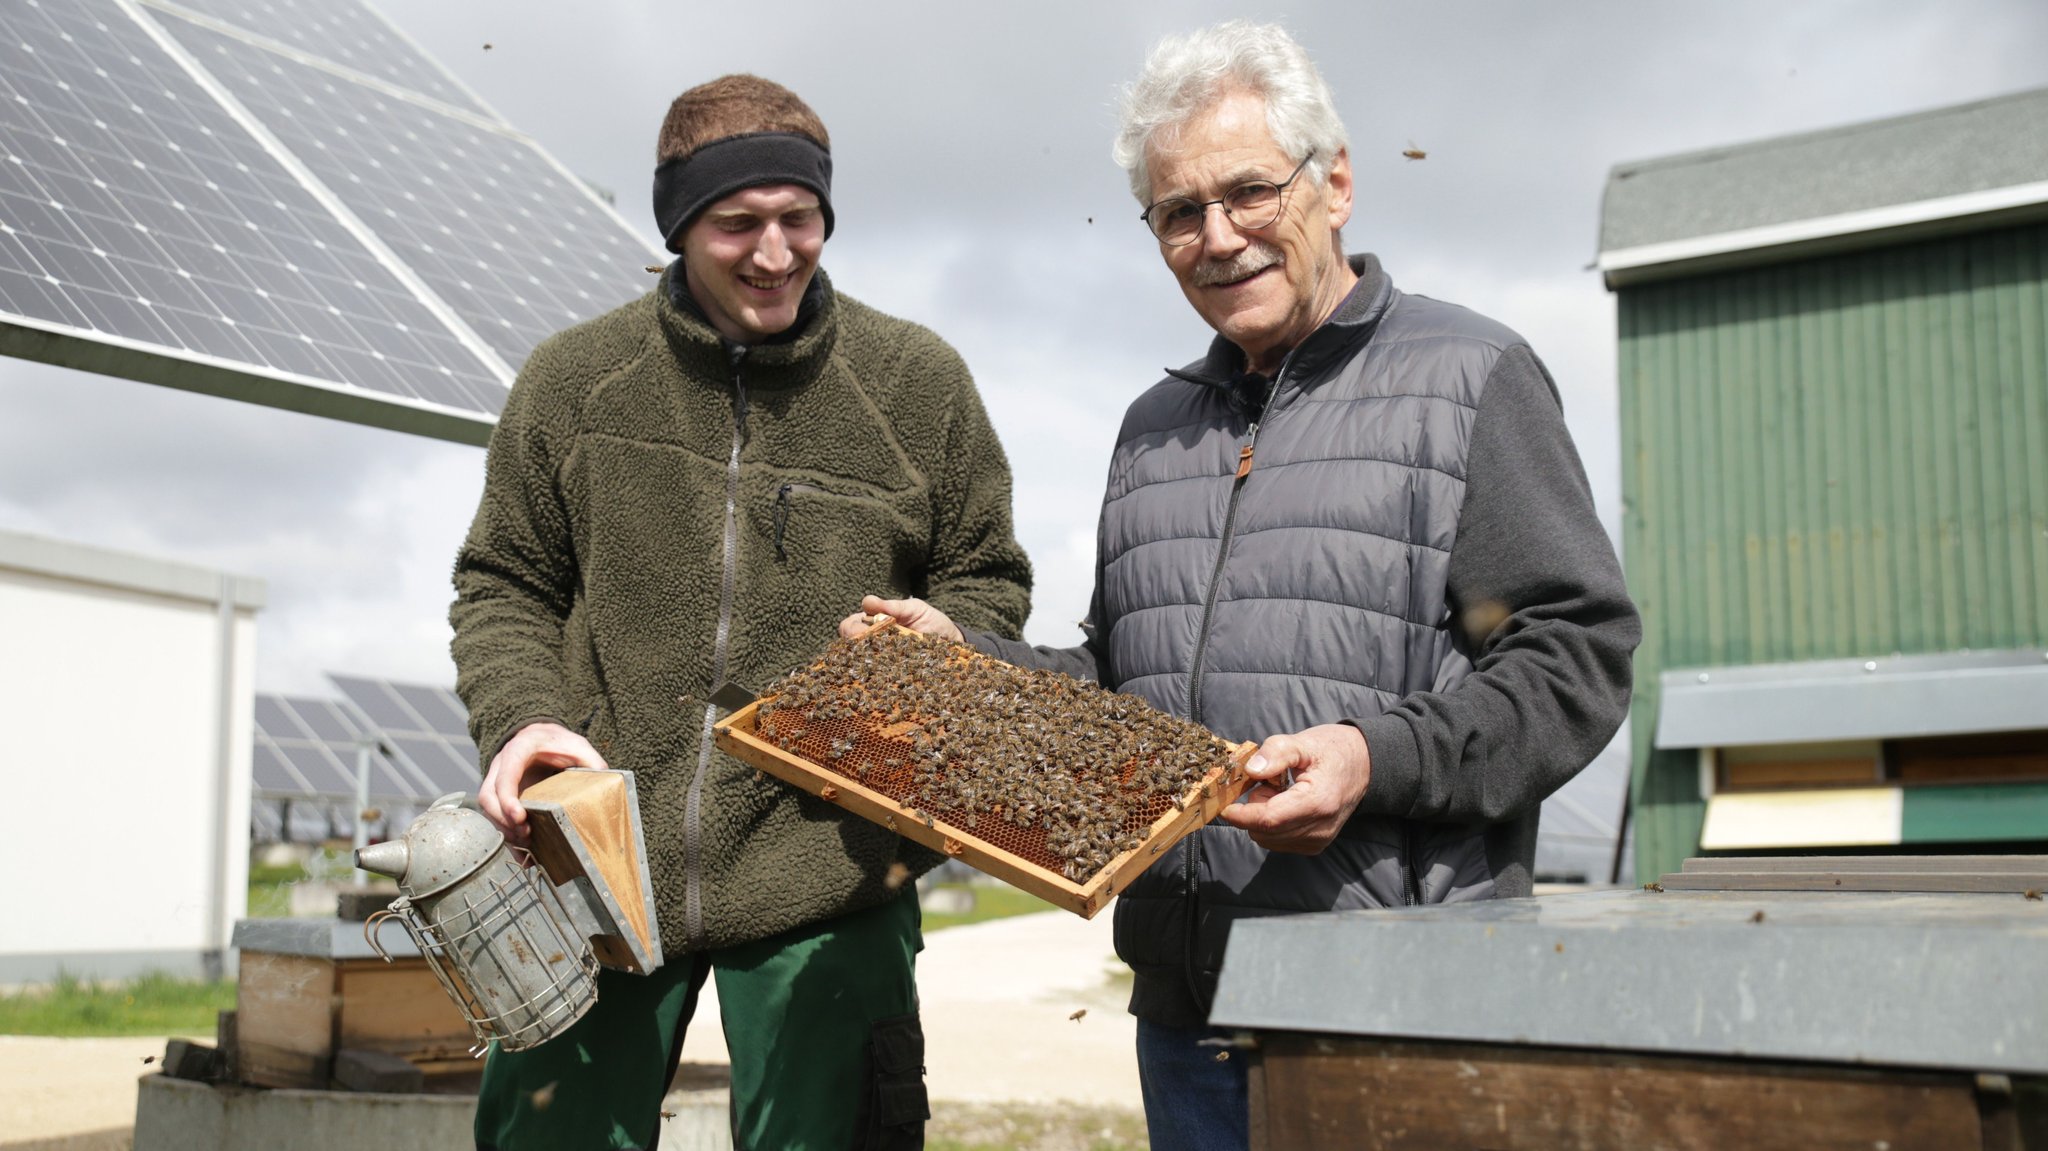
<point>686,492</point>
<point>1358,521</point>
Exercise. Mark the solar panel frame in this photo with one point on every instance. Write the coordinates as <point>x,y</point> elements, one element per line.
<point>102,322</point>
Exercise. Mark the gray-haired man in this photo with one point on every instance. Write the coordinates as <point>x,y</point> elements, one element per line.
<point>1358,520</point>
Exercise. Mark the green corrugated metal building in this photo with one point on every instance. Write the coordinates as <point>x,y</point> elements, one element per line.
<point>1834,424</point>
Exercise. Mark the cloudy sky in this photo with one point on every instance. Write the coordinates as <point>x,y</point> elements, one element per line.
<point>975,195</point>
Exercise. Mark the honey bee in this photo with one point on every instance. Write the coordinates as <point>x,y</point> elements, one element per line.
<point>1081,772</point>
<point>1413,152</point>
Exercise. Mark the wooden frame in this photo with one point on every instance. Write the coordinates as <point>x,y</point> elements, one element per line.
<point>1310,1092</point>
<point>737,735</point>
<point>586,827</point>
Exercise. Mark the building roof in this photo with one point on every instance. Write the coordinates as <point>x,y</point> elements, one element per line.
<point>1886,180</point>
<point>1912,979</point>
<point>62,559</point>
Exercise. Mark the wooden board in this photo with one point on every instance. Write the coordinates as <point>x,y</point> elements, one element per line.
<point>1888,864</point>
<point>1379,1095</point>
<point>586,824</point>
<point>399,1008</point>
<point>2016,874</point>
<point>284,1020</point>
<point>738,736</point>
<point>293,1012</point>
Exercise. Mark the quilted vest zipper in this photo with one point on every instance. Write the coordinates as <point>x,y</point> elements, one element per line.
<point>1244,470</point>
<point>1191,854</point>
<point>693,804</point>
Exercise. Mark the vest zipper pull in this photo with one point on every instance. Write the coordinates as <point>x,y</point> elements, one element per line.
<point>1244,461</point>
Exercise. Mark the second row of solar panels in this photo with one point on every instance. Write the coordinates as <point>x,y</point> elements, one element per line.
<point>416,737</point>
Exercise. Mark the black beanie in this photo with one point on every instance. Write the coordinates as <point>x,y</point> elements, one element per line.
<point>686,185</point>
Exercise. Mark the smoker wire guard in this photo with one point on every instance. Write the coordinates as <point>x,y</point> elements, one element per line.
<point>569,992</point>
<point>573,991</point>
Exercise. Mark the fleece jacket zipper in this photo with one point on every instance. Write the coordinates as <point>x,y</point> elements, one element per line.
<point>693,804</point>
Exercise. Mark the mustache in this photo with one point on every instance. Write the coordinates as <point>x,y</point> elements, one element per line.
<point>1254,259</point>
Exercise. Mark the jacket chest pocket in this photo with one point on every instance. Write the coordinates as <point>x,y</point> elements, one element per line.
<point>806,527</point>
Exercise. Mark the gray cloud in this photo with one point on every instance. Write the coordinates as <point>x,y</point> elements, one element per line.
<point>972,153</point>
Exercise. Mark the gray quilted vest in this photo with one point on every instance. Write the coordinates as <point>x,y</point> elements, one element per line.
<point>1310,591</point>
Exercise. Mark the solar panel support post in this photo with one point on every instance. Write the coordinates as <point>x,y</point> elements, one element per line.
<point>214,959</point>
<point>362,838</point>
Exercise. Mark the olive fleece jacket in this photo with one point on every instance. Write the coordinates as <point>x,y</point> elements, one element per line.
<point>854,458</point>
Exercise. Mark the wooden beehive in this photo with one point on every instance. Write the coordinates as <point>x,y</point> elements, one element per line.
<point>1018,856</point>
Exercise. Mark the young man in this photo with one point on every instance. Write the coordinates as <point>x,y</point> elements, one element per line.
<point>1356,529</point>
<point>685,493</point>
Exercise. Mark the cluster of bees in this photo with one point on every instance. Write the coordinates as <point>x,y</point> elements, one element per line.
<point>1009,753</point>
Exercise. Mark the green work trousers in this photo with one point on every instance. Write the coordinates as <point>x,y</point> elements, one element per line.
<point>820,1022</point>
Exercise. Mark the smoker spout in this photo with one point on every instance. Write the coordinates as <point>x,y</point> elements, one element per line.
<point>388,858</point>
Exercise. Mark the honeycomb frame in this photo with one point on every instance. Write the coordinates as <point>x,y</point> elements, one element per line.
<point>739,735</point>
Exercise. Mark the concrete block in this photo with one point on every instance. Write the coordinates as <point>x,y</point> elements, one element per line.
<point>176,1115</point>
<point>356,904</point>
<point>377,1071</point>
<point>184,1059</point>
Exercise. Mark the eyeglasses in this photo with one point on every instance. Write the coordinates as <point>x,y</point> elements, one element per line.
<point>1251,205</point>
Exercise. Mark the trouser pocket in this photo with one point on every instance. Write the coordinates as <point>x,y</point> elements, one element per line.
<point>896,1106</point>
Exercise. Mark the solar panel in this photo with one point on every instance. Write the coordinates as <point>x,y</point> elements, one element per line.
<point>519,248</point>
<point>284,202</point>
<point>138,214</point>
<point>307,749</point>
<point>347,34</point>
<point>441,711</point>
<point>426,726</point>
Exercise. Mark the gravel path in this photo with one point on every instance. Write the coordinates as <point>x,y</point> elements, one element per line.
<point>996,997</point>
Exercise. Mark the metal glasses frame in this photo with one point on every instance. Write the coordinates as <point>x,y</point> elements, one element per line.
<point>1202,206</point>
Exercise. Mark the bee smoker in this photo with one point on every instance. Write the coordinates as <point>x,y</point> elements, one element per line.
<point>510,933</point>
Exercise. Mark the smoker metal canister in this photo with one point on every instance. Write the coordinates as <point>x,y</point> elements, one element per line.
<point>490,926</point>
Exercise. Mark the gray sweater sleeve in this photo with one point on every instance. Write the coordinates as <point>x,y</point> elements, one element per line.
<point>1087,661</point>
<point>1537,595</point>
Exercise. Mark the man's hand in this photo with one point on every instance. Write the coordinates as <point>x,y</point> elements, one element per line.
<point>1331,769</point>
<point>539,750</point>
<point>914,614</point>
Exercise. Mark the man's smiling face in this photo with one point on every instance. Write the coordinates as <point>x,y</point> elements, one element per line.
<point>750,256</point>
<point>1262,290</point>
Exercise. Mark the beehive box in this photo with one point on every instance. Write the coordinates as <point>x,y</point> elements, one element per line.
<point>878,762</point>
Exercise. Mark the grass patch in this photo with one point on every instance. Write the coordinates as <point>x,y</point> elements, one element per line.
<point>270,885</point>
<point>991,901</point>
<point>154,1004</point>
<point>1033,1127</point>
<point>270,890</point>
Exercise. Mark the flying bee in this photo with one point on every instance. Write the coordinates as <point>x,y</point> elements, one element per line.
<point>1413,152</point>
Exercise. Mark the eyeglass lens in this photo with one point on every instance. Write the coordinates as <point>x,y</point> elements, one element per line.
<point>1252,205</point>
